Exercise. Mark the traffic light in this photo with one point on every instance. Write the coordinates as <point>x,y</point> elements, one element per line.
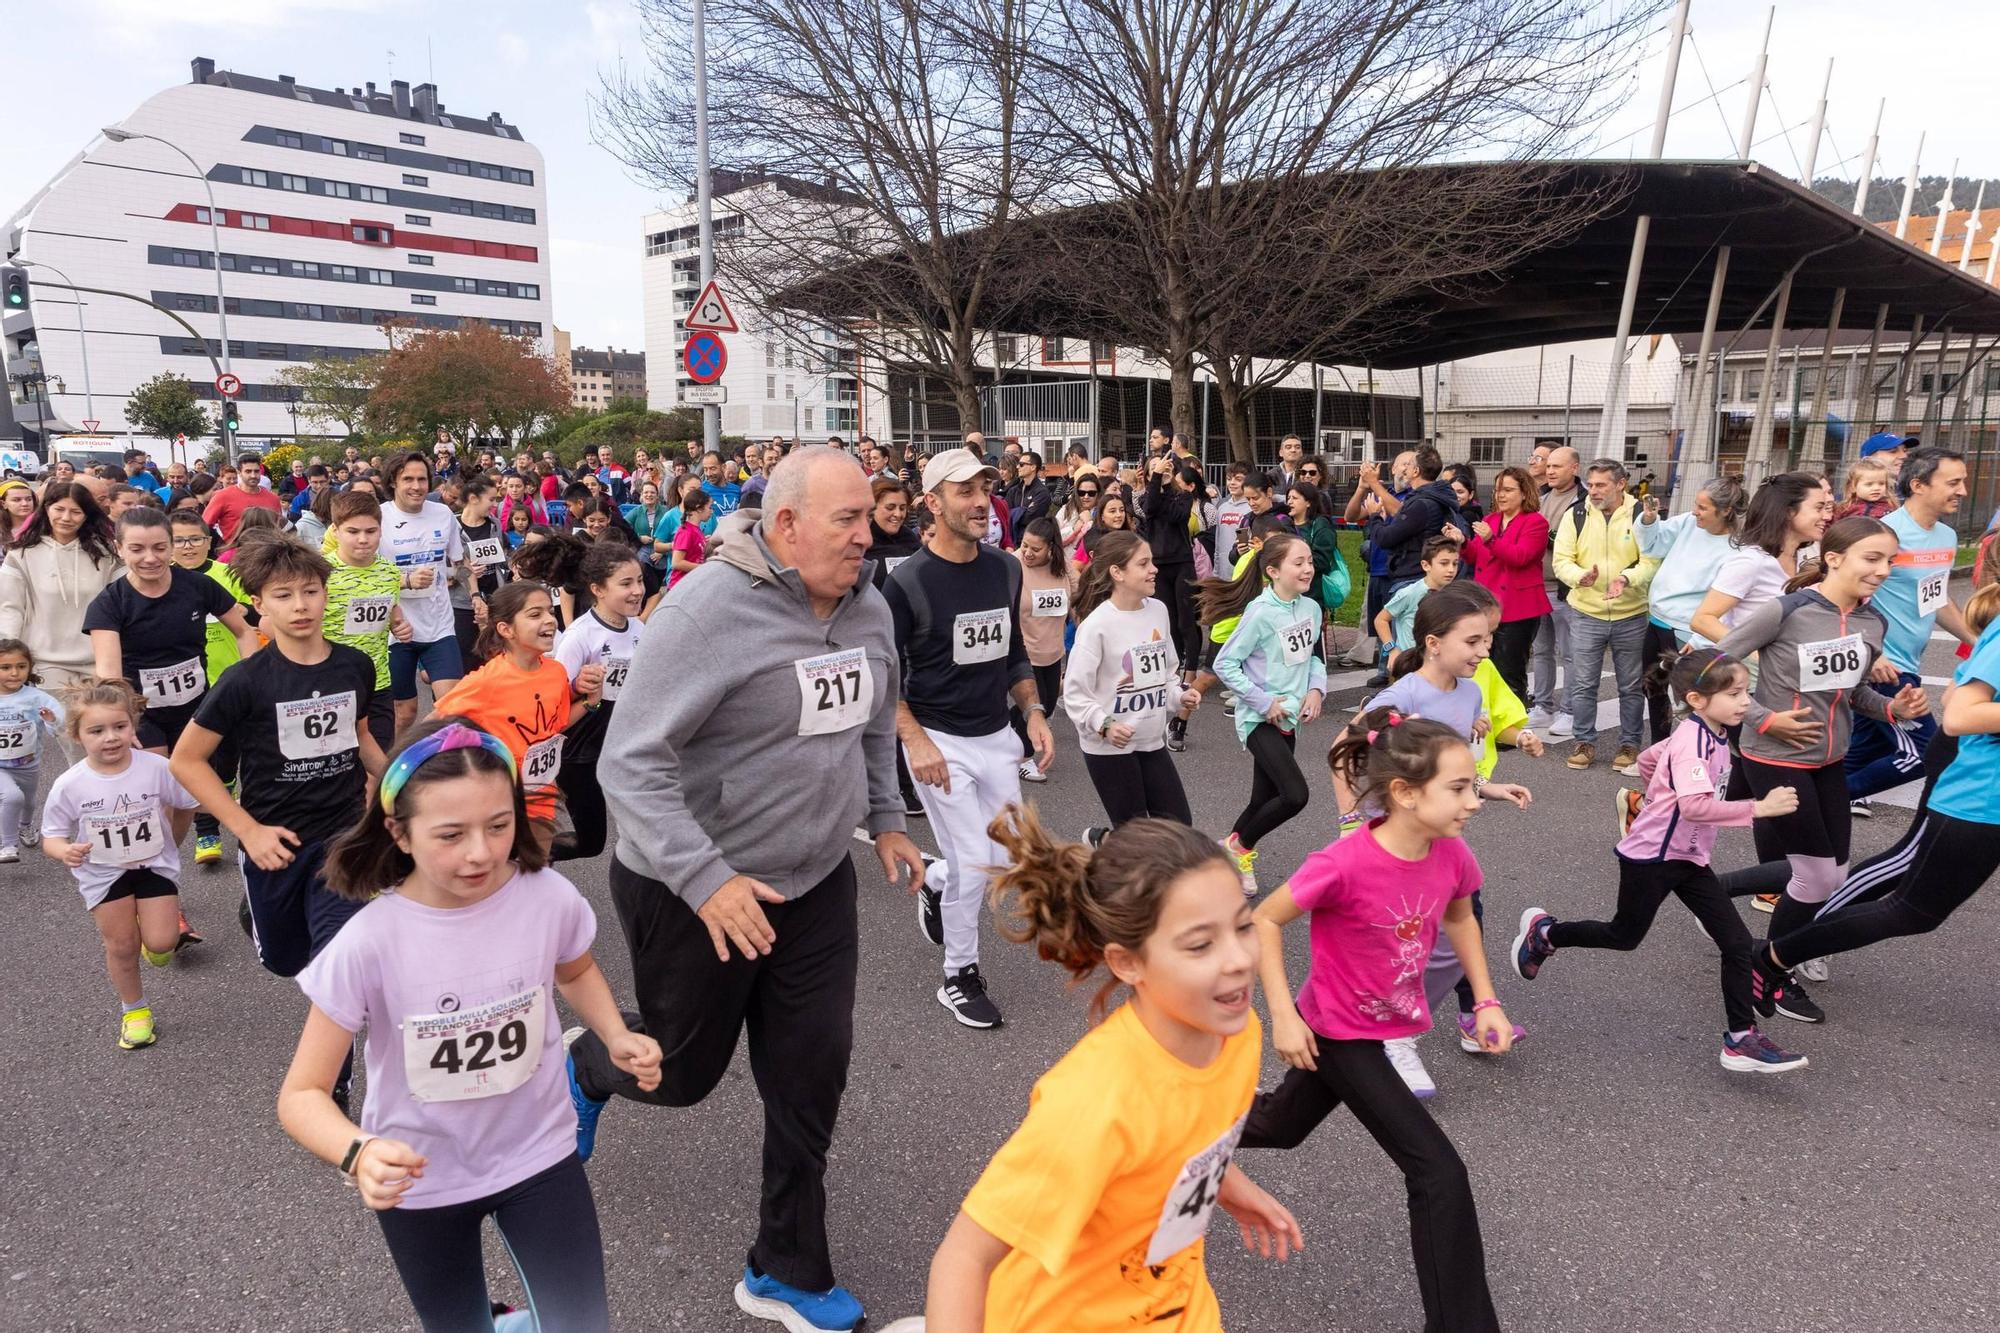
<point>231,423</point>
<point>17,289</point>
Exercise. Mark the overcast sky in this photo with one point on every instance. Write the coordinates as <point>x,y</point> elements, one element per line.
<point>536,61</point>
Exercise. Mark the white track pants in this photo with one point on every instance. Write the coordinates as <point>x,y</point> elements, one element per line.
<point>985,775</point>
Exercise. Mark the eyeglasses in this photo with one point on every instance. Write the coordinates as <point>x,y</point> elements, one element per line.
<point>197,540</point>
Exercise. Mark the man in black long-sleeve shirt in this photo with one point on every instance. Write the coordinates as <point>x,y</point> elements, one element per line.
<point>959,639</point>
<point>1035,498</point>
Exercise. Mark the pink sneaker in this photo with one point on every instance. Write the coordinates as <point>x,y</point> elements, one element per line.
<point>1468,1036</point>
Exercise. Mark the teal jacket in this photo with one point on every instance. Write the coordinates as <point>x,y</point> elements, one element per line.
<point>1273,653</point>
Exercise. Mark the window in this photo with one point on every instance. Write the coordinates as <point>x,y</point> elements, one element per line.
<point>464,285</point>
<point>656,244</point>
<point>422,298</point>
<point>374,194</point>
<point>492,288</point>
<point>256,221</point>
<point>770,387</point>
<point>1487,448</point>
<point>1055,349</point>
<point>261,265</point>
<point>416,219</point>
<point>289,139</point>
<point>253,177</point>
<point>188,259</point>
<point>487,171</point>
<point>343,273</point>
<point>463,206</point>
<point>791,358</point>
<point>1993,379</point>
<point>408,179</point>
<point>370,153</point>
<point>381,277</point>
<point>809,420</point>
<point>521,215</point>
<point>487,210</point>
<point>1006,349</point>
<point>338,147</point>
<point>338,189</point>
<point>201,215</point>
<point>425,260</point>
<point>458,168</point>
<point>368,235</point>
<point>307,310</point>
<point>296,184</point>
<point>1752,386</point>
<point>416,139</point>
<point>791,391</point>
<point>302,268</point>
<point>520,177</point>
<point>528,291</point>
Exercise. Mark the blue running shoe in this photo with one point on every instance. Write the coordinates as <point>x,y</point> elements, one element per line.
<point>587,1108</point>
<point>832,1311</point>
<point>1531,946</point>
<point>1757,1054</point>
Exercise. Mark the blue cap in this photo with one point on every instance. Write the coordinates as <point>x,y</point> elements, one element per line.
<point>1884,441</point>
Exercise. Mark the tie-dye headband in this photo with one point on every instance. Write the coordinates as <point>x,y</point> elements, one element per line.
<point>456,736</point>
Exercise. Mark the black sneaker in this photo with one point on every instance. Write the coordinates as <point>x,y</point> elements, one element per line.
<point>1767,983</point>
<point>912,807</point>
<point>1095,834</point>
<point>1177,734</point>
<point>930,913</point>
<point>1378,680</point>
<point>1795,1004</point>
<point>964,993</point>
<point>244,920</point>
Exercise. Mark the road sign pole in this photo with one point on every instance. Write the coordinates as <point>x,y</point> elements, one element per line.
<point>711,414</point>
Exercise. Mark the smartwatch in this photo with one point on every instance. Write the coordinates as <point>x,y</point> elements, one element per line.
<point>353,1155</point>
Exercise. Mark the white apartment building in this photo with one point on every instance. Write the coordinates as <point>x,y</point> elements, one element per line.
<point>338,209</point>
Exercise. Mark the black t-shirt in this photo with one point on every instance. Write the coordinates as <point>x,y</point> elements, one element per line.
<point>486,549</point>
<point>959,639</point>
<point>298,731</point>
<point>160,633</point>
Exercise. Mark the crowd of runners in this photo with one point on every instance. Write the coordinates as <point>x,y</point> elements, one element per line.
<point>721,670</point>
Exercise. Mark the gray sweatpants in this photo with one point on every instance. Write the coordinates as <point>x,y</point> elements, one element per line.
<point>18,789</point>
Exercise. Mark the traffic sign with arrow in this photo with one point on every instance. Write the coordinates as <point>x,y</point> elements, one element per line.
<point>710,312</point>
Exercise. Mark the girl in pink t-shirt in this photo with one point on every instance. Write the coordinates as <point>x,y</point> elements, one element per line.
<point>1376,902</point>
<point>1666,847</point>
<point>453,967</point>
<point>689,545</point>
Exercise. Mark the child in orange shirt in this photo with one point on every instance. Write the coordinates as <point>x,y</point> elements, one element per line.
<point>1139,1121</point>
<point>523,696</point>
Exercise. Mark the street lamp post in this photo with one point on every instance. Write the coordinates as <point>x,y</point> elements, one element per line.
<point>83,349</point>
<point>119,135</point>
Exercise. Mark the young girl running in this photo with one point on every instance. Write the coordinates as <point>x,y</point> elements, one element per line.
<point>605,637</point>
<point>1123,684</point>
<point>690,544</point>
<point>1048,583</point>
<point>452,967</point>
<point>1666,853</point>
<point>26,711</point>
<point>1959,846</point>
<point>116,820</point>
<point>1377,902</point>
<point>525,697</point>
<point>1816,646</point>
<point>1139,1122</point>
<point>1278,679</point>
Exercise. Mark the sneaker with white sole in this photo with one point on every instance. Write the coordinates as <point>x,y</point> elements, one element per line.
<point>1862,808</point>
<point>1561,725</point>
<point>1246,864</point>
<point>1812,969</point>
<point>930,911</point>
<point>764,1297</point>
<point>1757,1054</point>
<point>9,854</point>
<point>1468,1035</point>
<point>1094,835</point>
<point>964,993</point>
<point>1402,1053</point>
<point>1031,772</point>
<point>1539,718</point>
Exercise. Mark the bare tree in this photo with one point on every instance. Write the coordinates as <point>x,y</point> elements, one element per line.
<point>889,131</point>
<point>1246,156</point>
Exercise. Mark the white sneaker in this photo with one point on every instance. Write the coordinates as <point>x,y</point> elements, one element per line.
<point>1031,773</point>
<point>1402,1053</point>
<point>1539,717</point>
<point>1813,969</point>
<point>1562,725</point>
<point>9,855</point>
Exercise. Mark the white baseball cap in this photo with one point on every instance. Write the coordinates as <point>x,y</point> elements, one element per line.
<point>956,465</point>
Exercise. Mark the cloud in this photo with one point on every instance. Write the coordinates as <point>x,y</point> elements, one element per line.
<point>131,18</point>
<point>514,48</point>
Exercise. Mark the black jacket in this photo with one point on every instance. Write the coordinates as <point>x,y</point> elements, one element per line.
<point>1026,502</point>
<point>898,546</point>
<point>1164,523</point>
<point>1425,512</point>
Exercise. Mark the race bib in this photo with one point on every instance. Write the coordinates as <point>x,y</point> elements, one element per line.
<point>980,636</point>
<point>14,743</point>
<point>1298,640</point>
<point>1184,1216</point>
<point>1832,664</point>
<point>128,838</point>
<point>615,671</point>
<point>1151,664</point>
<point>544,760</point>
<point>367,615</point>
<point>1931,593</point>
<point>165,687</point>
<point>486,552</point>
<point>836,692</point>
<point>316,727</point>
<point>482,1052</point>
<point>1048,602</point>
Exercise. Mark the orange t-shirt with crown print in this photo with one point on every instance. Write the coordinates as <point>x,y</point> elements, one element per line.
<point>526,709</point>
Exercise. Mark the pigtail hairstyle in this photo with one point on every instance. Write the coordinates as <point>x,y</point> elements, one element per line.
<point>1383,746</point>
<point>1217,599</point>
<point>1115,550</point>
<point>1700,670</point>
<point>1839,537</point>
<point>1437,611</point>
<point>365,860</point>
<point>1072,903</point>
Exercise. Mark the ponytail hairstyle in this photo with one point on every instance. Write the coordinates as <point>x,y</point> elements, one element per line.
<point>365,860</point>
<point>1437,611</point>
<point>1769,517</point>
<point>1701,671</point>
<point>508,601</point>
<point>1051,536</point>
<point>554,561</point>
<point>98,692</point>
<point>1384,746</point>
<point>1217,599</point>
<point>1839,537</point>
<point>1115,550</point>
<point>1072,903</point>
<point>1981,610</point>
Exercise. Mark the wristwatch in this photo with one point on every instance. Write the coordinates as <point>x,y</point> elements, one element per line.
<point>347,1163</point>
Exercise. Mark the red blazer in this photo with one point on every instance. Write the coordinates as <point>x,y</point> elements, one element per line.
<point>1510,563</point>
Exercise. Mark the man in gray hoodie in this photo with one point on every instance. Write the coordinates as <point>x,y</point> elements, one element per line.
<point>770,734</point>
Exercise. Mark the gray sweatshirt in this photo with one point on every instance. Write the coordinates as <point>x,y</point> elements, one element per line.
<point>1811,655</point>
<point>711,778</point>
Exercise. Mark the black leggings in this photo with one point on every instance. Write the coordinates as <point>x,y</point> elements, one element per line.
<point>1642,887</point>
<point>1175,587</point>
<point>1048,688</point>
<point>1660,642</point>
<point>1138,783</point>
<point>1512,643</point>
<point>1820,829</point>
<point>1278,789</point>
<point>1955,858</point>
<point>1444,1221</point>
<point>583,797</point>
<point>549,1225</point>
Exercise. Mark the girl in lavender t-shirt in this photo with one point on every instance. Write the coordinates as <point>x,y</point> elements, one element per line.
<point>1376,902</point>
<point>453,969</point>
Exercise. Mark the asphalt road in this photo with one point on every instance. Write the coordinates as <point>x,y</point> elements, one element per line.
<point>1625,1181</point>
